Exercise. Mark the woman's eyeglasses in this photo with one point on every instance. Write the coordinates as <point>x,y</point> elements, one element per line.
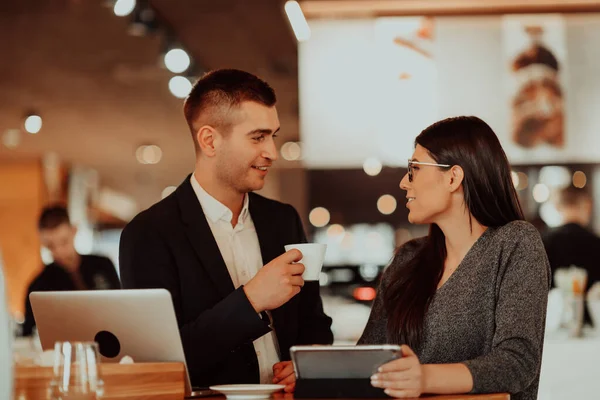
<point>411,163</point>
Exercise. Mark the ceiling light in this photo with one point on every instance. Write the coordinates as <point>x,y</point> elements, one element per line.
<point>319,217</point>
<point>177,60</point>
<point>297,20</point>
<point>372,166</point>
<point>291,151</point>
<point>387,204</point>
<point>579,179</point>
<point>148,154</point>
<point>33,123</point>
<point>123,8</point>
<point>11,138</point>
<point>180,86</point>
<point>541,193</point>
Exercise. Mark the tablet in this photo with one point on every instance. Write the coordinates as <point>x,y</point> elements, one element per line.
<point>341,362</point>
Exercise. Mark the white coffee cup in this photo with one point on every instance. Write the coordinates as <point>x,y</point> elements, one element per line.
<point>313,255</point>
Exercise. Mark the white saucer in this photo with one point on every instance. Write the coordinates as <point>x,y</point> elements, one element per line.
<point>247,392</point>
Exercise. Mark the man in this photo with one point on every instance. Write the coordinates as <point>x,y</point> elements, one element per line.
<point>218,248</point>
<point>572,243</point>
<point>70,270</point>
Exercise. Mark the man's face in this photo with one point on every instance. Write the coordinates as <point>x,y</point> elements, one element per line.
<point>244,155</point>
<point>61,243</point>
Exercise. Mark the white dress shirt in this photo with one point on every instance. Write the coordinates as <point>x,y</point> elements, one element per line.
<point>241,252</point>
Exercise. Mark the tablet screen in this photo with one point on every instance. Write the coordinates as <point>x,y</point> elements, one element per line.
<point>341,362</point>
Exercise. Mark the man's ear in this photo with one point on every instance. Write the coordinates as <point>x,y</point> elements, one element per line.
<point>207,138</point>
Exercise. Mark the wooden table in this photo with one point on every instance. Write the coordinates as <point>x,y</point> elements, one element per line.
<point>496,396</point>
<point>150,381</point>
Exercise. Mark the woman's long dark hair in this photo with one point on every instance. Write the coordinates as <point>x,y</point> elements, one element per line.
<point>490,197</point>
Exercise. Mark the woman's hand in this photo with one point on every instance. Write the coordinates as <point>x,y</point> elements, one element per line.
<point>283,374</point>
<point>402,377</point>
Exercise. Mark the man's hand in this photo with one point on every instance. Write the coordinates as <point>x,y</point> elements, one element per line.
<point>276,283</point>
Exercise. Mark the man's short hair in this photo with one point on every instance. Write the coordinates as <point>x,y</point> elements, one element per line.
<point>218,93</point>
<point>53,216</point>
<point>571,196</point>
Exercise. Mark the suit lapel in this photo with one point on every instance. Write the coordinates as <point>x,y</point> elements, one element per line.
<point>201,237</point>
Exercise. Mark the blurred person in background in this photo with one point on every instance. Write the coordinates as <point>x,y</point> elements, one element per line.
<point>239,298</point>
<point>70,270</point>
<point>467,302</point>
<point>573,243</point>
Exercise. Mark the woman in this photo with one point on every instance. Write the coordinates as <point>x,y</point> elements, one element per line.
<point>467,302</point>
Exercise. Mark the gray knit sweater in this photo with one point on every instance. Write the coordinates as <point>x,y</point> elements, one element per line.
<point>489,315</point>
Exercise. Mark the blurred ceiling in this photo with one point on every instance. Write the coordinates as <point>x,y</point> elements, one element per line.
<point>103,92</point>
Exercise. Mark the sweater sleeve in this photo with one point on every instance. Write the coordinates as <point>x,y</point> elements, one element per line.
<point>522,295</point>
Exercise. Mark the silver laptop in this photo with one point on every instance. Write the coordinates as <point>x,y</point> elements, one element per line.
<point>137,323</point>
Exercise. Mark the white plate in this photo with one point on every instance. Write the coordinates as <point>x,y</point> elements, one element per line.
<point>247,392</point>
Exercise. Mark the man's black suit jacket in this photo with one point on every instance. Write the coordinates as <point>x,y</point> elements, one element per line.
<point>171,246</point>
